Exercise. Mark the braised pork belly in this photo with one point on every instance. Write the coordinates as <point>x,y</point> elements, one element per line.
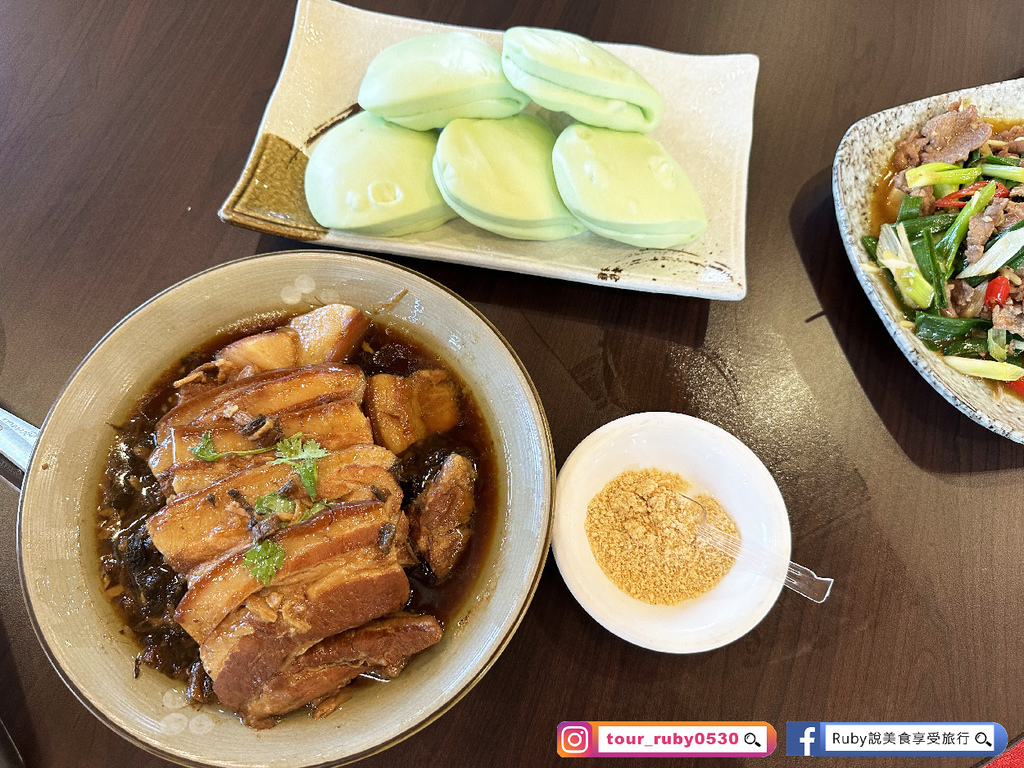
<point>300,501</point>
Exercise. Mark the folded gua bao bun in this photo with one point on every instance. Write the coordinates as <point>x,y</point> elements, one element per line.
<point>564,72</point>
<point>369,176</point>
<point>626,187</point>
<point>426,82</point>
<point>497,175</point>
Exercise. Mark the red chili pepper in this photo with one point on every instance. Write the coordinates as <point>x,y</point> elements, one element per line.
<point>953,199</point>
<point>997,292</point>
<point>1017,386</point>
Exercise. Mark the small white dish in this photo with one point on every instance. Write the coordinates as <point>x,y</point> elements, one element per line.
<point>707,127</point>
<point>863,155</point>
<point>714,461</point>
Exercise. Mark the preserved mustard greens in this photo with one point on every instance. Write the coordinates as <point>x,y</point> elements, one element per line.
<point>626,187</point>
<point>497,175</point>
<point>428,81</point>
<point>373,177</point>
<point>567,73</point>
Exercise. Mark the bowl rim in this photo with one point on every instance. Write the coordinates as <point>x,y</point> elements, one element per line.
<point>923,364</point>
<point>547,449</point>
<point>645,420</point>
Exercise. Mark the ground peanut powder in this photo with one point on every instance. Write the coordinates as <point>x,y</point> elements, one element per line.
<point>644,537</point>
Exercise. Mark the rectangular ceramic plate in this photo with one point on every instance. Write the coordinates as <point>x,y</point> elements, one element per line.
<point>707,127</point>
<point>863,154</point>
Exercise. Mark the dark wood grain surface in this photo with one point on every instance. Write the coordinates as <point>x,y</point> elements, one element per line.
<point>124,125</point>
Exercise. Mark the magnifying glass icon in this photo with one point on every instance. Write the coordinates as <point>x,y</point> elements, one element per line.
<point>981,738</point>
<point>752,739</point>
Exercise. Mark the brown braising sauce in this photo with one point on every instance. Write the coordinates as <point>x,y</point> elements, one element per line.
<point>146,590</point>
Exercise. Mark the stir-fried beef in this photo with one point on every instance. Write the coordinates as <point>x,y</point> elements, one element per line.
<point>439,517</point>
<point>1010,317</point>
<point>963,299</point>
<point>382,647</point>
<point>908,152</point>
<point>954,134</point>
<point>981,227</point>
<point>925,193</point>
<point>407,409</point>
<point>1013,215</point>
<point>1010,143</point>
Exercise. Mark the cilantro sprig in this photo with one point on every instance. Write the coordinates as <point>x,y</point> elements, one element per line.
<point>309,512</point>
<point>206,451</point>
<point>264,561</point>
<point>302,457</point>
<point>270,503</point>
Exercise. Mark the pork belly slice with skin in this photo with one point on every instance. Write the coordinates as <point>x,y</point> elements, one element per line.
<point>199,527</point>
<point>326,335</point>
<point>406,409</point>
<point>330,334</point>
<point>335,426</point>
<point>383,647</point>
<point>253,643</point>
<point>267,394</point>
<point>440,517</point>
<point>225,586</point>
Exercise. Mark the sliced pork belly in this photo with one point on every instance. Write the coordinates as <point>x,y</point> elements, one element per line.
<point>260,352</point>
<point>223,588</point>
<point>326,335</point>
<point>334,425</point>
<point>383,647</point>
<point>439,518</point>
<point>265,394</point>
<point>199,527</point>
<point>330,334</point>
<point>252,645</point>
<point>407,409</point>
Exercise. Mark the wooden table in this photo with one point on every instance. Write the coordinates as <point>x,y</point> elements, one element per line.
<point>125,124</point>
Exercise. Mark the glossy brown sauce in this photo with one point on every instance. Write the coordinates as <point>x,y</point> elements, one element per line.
<point>145,590</point>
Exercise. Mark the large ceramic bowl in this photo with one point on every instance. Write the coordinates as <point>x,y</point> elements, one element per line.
<point>57,515</point>
<point>863,155</point>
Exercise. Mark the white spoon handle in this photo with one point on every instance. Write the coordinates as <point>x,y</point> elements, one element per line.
<point>801,580</point>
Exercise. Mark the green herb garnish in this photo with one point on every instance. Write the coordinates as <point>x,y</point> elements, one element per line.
<point>302,457</point>
<point>309,512</point>
<point>206,451</point>
<point>264,561</point>
<point>271,503</point>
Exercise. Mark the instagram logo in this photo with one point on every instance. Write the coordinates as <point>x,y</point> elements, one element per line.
<point>573,739</point>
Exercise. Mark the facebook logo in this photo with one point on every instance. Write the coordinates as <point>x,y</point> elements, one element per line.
<point>877,739</point>
<point>801,739</point>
